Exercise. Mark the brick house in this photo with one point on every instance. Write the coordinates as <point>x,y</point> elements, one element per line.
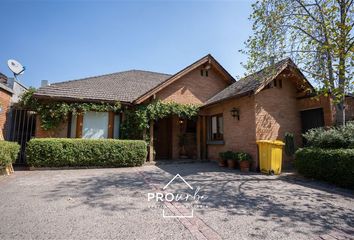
<point>5,100</point>
<point>233,114</point>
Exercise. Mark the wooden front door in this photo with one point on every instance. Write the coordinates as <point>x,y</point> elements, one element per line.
<point>163,133</point>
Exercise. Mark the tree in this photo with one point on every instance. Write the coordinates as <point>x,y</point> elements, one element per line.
<point>317,34</point>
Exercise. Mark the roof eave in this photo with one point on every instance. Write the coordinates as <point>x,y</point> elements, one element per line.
<point>72,99</point>
<point>247,93</point>
<point>6,88</point>
<point>289,64</point>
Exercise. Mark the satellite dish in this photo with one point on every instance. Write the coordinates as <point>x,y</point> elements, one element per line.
<point>15,67</point>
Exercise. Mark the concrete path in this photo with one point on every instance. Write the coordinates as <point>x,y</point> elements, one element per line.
<point>113,204</point>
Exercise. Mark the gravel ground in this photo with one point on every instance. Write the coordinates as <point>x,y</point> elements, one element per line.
<point>112,204</point>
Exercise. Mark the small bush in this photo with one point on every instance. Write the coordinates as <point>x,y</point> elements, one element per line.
<point>65,152</point>
<point>8,152</point>
<point>331,165</point>
<point>332,138</point>
<point>227,155</point>
<point>241,156</point>
<point>289,144</point>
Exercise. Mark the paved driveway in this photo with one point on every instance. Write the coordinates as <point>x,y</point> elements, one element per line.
<point>112,204</point>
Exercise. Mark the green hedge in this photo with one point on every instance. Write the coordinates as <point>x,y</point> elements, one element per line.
<point>66,152</point>
<point>331,138</point>
<point>8,152</point>
<point>331,165</point>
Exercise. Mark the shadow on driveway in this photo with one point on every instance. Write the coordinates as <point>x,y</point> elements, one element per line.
<point>282,200</point>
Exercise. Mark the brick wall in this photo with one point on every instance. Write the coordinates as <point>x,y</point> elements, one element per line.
<point>190,89</point>
<point>5,98</point>
<point>277,113</point>
<point>349,110</point>
<point>60,132</point>
<point>268,115</point>
<point>239,135</point>
<point>193,88</point>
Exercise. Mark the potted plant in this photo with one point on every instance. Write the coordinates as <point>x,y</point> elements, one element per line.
<point>231,161</point>
<point>245,160</point>
<point>224,157</point>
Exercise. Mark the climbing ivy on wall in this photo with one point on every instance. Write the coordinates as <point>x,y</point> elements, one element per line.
<point>53,113</point>
<point>137,119</point>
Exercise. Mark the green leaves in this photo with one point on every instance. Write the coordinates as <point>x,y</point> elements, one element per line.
<point>289,144</point>
<point>53,113</point>
<point>335,137</point>
<point>331,165</point>
<point>138,118</point>
<point>317,34</point>
<point>8,152</point>
<point>64,152</point>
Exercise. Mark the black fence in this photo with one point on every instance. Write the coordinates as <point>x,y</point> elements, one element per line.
<point>21,126</point>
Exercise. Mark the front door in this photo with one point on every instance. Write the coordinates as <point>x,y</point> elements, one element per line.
<point>162,140</point>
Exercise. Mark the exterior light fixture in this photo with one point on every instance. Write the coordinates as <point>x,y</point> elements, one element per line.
<point>235,113</point>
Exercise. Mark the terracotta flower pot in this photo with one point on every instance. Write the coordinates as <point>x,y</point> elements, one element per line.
<point>222,162</point>
<point>231,163</point>
<point>245,166</point>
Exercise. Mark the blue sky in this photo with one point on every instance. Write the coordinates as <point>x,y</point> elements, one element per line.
<point>63,40</point>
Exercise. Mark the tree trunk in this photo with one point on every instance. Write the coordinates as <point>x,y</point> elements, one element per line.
<point>340,113</point>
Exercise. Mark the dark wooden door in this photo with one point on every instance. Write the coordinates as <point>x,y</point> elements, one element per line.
<point>312,119</point>
<point>163,138</point>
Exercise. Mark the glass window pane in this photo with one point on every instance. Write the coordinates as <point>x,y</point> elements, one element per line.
<point>214,128</point>
<point>73,126</point>
<point>95,125</point>
<point>221,125</point>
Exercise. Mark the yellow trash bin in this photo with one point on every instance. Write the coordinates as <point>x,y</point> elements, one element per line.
<point>270,156</point>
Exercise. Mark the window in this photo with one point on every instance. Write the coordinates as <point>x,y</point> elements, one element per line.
<point>95,125</point>
<point>204,72</point>
<point>278,83</point>
<point>216,128</point>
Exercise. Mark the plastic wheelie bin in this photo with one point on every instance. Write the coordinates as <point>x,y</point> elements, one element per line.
<point>270,156</point>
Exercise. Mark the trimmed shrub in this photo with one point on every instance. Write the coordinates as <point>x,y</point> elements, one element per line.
<point>332,138</point>
<point>8,152</point>
<point>289,144</point>
<point>331,165</point>
<point>66,152</point>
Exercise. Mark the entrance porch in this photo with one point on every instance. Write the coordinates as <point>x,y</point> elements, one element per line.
<point>175,138</point>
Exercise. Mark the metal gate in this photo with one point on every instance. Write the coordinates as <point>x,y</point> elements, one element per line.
<point>21,128</point>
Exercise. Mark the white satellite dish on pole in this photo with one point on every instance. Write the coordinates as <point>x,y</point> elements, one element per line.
<point>15,67</point>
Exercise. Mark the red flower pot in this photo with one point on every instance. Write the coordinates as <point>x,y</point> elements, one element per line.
<point>245,166</point>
